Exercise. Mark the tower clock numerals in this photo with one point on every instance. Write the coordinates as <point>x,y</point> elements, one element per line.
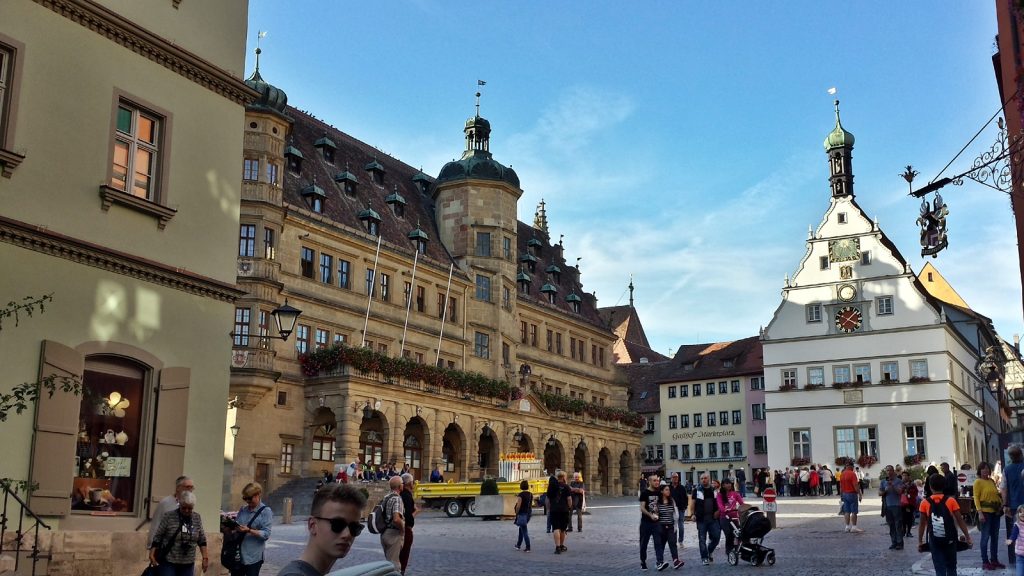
<point>848,319</point>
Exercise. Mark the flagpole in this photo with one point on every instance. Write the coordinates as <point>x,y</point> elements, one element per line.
<point>408,304</point>
<point>444,315</point>
<point>369,293</point>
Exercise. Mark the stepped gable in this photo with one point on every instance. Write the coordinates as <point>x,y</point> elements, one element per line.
<point>567,284</point>
<point>354,156</point>
<point>644,379</point>
<point>709,361</point>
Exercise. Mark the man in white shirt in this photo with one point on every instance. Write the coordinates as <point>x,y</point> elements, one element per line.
<point>168,503</point>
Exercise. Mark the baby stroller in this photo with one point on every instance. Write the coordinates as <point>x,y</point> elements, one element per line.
<point>750,529</point>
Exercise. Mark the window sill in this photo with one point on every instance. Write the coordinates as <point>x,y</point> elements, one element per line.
<point>110,196</point>
<point>9,161</point>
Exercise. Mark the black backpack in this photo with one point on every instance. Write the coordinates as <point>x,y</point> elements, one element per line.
<point>941,524</point>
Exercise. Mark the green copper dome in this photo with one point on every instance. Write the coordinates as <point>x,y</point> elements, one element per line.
<point>838,137</point>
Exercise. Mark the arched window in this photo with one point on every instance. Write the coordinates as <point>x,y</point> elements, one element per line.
<point>371,445</point>
<point>413,451</point>
<point>323,442</point>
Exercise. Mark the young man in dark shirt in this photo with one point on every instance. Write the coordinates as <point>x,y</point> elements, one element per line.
<point>333,525</point>
<point>682,501</point>
<point>649,522</point>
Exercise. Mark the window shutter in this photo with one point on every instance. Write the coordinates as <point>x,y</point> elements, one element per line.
<point>171,427</point>
<point>56,431</point>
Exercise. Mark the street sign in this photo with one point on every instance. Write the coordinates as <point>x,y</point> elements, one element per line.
<point>961,478</point>
<point>768,495</point>
<point>771,506</point>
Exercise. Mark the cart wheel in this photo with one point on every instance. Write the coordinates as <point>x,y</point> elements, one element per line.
<point>453,508</point>
<point>471,507</point>
<point>770,559</point>
<point>733,558</point>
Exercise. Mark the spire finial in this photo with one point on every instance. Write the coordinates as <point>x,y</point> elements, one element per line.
<point>630,290</point>
<point>259,36</point>
<point>837,110</point>
<point>477,104</point>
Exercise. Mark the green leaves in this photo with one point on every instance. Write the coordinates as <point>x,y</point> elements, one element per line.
<point>28,306</point>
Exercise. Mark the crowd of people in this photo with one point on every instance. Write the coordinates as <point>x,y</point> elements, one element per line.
<point>356,471</point>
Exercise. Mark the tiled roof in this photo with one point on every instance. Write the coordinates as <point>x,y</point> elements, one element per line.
<point>709,360</point>
<point>643,378</point>
<point>633,344</point>
<point>568,283</point>
<point>353,155</point>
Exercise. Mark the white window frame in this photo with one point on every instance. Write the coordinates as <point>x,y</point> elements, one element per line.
<point>133,145</point>
<point>894,373</point>
<point>789,377</point>
<point>841,374</point>
<point>799,447</point>
<point>813,315</point>
<point>884,306</point>
<point>816,375</point>
<point>862,370</point>
<point>919,442</point>
<point>916,366</point>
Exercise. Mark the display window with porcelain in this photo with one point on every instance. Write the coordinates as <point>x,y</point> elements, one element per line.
<point>110,428</point>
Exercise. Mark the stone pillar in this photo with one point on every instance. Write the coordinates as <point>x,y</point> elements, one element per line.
<point>394,447</point>
<point>472,450</point>
<point>349,418</point>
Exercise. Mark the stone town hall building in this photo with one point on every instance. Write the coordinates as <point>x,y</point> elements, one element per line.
<point>382,258</point>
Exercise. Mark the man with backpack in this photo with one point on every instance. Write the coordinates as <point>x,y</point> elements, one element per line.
<point>940,517</point>
<point>392,537</point>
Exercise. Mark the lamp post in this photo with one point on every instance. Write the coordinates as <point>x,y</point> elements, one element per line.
<point>284,316</point>
<point>988,369</point>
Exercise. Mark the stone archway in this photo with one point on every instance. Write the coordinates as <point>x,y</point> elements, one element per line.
<point>488,450</point>
<point>625,471</point>
<point>603,470</point>
<point>580,457</point>
<point>415,439</point>
<point>453,449</point>
<point>373,438</point>
<point>554,455</point>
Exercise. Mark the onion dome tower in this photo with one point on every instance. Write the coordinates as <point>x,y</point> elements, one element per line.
<point>839,147</point>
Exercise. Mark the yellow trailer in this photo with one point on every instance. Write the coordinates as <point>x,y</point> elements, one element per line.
<point>458,497</point>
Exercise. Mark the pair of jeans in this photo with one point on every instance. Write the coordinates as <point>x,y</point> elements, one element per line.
<point>989,537</point>
<point>668,536</point>
<point>650,530</point>
<point>730,536</point>
<point>524,536</point>
<point>576,511</point>
<point>894,517</point>
<point>709,532</point>
<point>1018,565</point>
<point>943,558</point>
<point>168,569</point>
<point>680,523</point>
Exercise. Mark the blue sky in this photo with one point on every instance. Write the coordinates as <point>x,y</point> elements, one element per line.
<point>680,142</point>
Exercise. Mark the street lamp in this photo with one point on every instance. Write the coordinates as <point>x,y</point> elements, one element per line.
<point>234,430</point>
<point>987,368</point>
<point>285,317</point>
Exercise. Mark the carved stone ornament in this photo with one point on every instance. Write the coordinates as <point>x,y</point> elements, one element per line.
<point>846,272</point>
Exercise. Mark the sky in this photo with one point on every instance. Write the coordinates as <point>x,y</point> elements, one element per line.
<point>679,143</point>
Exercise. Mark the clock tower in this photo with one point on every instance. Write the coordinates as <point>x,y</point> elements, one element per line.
<point>839,146</point>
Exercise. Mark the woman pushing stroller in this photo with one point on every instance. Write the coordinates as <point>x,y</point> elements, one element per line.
<point>729,502</point>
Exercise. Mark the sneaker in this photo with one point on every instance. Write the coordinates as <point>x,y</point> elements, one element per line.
<point>643,566</point>
<point>704,561</point>
<point>558,549</point>
<point>711,559</point>
<point>846,528</point>
<point>526,550</point>
<point>564,549</point>
<point>677,564</point>
<point>517,547</point>
<point>662,566</point>
<point>999,564</point>
<point>856,530</point>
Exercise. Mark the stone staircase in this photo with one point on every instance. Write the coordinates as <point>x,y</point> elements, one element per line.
<point>300,490</point>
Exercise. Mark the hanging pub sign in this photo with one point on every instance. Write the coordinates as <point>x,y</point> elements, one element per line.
<point>933,226</point>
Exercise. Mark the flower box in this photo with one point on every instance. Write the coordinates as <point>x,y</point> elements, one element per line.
<point>866,461</point>
<point>888,381</point>
<point>913,459</point>
<point>918,379</point>
<point>813,386</point>
<point>799,461</point>
<point>787,387</point>
<point>843,461</point>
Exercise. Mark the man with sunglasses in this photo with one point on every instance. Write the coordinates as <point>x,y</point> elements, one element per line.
<point>333,525</point>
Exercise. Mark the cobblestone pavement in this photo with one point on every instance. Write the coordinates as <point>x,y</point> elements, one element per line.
<point>809,540</point>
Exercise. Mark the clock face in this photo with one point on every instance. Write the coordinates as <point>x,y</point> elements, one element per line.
<point>847,292</point>
<point>848,319</point>
<point>844,250</point>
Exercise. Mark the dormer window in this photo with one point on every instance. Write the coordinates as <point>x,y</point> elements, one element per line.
<point>534,246</point>
<point>728,363</point>
<point>371,220</point>
<point>530,261</point>
<point>523,280</point>
<point>422,181</point>
<point>327,148</point>
<point>688,367</point>
<point>574,302</point>
<point>551,291</point>
<point>419,239</point>
<point>397,203</point>
<point>376,170</point>
<point>347,181</point>
<point>294,159</point>
<point>315,197</point>
<point>555,272</point>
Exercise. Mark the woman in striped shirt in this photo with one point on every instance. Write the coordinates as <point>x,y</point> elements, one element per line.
<point>667,525</point>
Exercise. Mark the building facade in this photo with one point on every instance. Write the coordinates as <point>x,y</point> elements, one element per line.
<point>119,147</point>
<point>708,409</point>
<point>437,329</point>
<point>862,361</point>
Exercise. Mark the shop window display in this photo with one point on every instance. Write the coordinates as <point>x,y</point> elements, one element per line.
<point>109,435</point>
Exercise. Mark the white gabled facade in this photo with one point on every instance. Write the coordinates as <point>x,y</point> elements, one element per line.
<point>853,311</point>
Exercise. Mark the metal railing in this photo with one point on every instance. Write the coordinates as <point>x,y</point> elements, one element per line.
<point>17,545</point>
